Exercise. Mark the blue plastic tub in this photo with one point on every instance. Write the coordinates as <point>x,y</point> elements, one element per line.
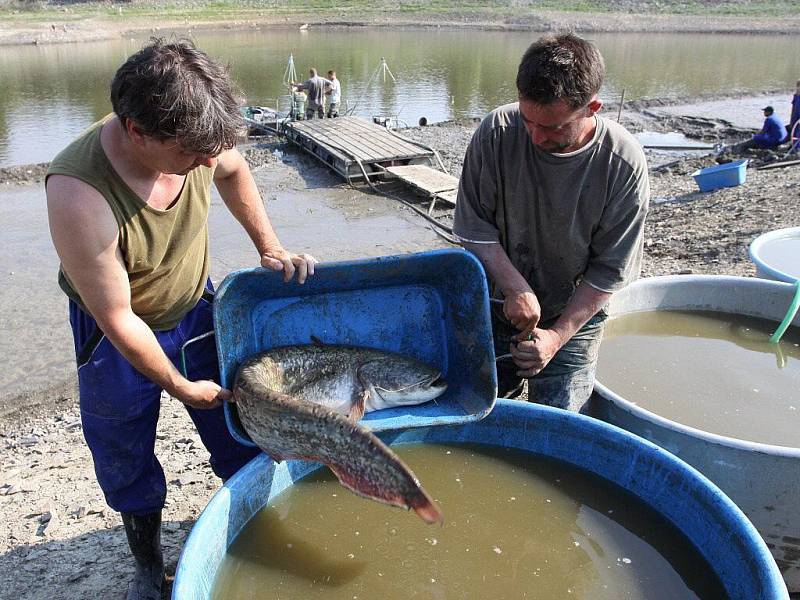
<point>711,522</point>
<point>728,175</point>
<point>431,305</point>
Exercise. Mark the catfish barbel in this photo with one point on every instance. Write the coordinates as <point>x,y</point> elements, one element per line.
<point>292,402</point>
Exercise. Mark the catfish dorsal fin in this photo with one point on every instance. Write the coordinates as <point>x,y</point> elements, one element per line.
<point>316,341</point>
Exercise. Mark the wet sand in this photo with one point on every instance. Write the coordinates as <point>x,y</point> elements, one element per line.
<point>739,112</point>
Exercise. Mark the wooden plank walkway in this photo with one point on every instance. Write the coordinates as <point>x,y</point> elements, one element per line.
<point>344,142</point>
<point>427,179</point>
<point>449,196</point>
<point>430,181</point>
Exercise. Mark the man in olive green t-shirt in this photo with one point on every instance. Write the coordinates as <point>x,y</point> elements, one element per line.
<point>128,206</point>
<point>552,201</point>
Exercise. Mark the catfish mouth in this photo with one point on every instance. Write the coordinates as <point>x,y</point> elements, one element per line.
<point>437,381</point>
<point>429,388</point>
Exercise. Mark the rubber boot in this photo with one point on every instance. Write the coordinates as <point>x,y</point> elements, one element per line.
<point>144,539</point>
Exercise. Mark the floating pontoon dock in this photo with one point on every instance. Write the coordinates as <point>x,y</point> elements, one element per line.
<point>358,149</point>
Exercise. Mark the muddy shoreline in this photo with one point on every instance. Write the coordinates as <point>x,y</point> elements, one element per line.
<point>62,24</point>
<point>58,539</point>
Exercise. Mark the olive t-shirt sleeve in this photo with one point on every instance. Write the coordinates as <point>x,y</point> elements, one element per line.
<point>477,199</point>
<point>617,244</point>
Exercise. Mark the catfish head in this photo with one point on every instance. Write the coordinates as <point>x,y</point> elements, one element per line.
<point>398,380</point>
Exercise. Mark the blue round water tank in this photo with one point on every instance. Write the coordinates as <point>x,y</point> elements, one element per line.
<point>711,522</point>
<point>762,479</point>
<point>764,268</point>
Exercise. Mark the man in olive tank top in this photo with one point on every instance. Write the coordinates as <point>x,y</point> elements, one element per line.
<point>128,206</point>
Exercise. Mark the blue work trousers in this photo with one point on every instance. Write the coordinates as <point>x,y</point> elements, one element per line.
<point>120,406</point>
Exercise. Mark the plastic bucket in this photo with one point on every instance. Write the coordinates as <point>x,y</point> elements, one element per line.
<point>728,175</point>
<point>763,480</point>
<point>763,267</point>
<point>697,508</point>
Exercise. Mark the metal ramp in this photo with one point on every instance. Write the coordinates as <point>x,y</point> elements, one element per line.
<point>356,148</point>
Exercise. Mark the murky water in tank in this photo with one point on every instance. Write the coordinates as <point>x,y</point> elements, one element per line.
<point>516,526</point>
<point>711,371</point>
<point>783,254</point>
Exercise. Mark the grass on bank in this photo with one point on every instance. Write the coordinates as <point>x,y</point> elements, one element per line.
<point>359,10</point>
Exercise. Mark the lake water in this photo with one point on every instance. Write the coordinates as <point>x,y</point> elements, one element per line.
<point>516,526</point>
<point>48,94</point>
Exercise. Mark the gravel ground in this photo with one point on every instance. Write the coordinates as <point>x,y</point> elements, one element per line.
<point>59,540</point>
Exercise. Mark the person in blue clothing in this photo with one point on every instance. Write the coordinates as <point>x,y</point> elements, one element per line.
<point>772,134</point>
<point>795,111</point>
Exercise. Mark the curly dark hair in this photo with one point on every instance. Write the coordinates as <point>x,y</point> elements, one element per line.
<point>560,67</point>
<point>174,90</point>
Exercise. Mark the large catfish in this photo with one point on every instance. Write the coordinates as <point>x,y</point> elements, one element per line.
<point>292,402</point>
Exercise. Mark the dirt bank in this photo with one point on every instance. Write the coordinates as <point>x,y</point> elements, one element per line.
<point>57,537</point>
<point>62,22</point>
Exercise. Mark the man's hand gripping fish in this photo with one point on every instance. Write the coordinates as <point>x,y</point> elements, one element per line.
<point>292,401</point>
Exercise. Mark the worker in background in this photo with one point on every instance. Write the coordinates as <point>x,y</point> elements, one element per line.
<point>794,129</point>
<point>314,87</point>
<point>334,93</point>
<point>772,134</point>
